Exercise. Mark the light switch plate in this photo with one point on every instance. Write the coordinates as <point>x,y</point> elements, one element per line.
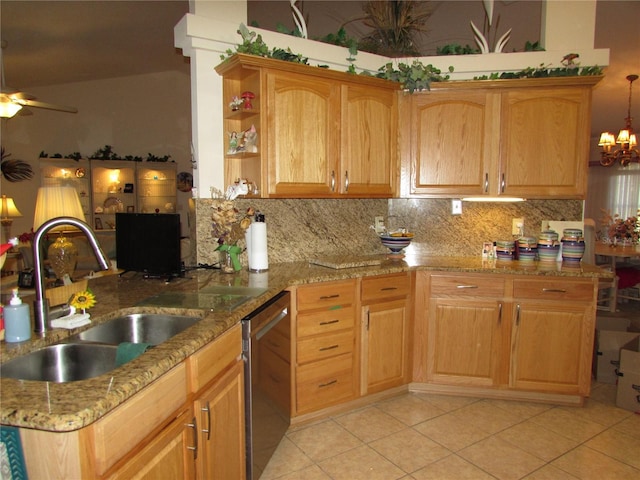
<point>456,207</point>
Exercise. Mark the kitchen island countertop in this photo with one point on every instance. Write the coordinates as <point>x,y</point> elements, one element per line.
<point>73,405</point>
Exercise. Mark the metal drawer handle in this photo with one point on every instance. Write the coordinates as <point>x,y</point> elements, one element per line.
<point>327,297</point>
<point>554,290</point>
<point>194,425</point>
<point>330,322</point>
<point>346,181</point>
<point>500,313</point>
<point>333,181</point>
<point>502,184</point>
<point>208,429</point>
<point>517,315</point>
<point>323,349</point>
<point>388,288</point>
<point>327,384</point>
<point>466,286</point>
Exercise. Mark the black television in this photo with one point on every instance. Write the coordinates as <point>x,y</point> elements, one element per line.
<point>149,243</point>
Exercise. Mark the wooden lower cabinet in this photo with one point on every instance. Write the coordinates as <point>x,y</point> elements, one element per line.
<point>220,424</point>
<point>552,335</point>
<point>187,424</point>
<point>464,342</point>
<point>488,331</point>
<point>169,455</point>
<point>385,360</point>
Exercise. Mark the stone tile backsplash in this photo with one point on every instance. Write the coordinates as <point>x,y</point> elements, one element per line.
<point>300,229</point>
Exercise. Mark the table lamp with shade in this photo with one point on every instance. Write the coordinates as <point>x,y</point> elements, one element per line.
<point>8,211</point>
<point>53,202</point>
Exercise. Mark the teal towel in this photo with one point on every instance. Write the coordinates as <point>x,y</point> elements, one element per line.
<point>127,351</point>
<point>11,453</point>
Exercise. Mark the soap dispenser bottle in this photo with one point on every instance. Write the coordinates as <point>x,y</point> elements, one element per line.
<point>17,320</point>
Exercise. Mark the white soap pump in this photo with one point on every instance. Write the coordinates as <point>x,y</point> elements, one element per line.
<point>17,321</point>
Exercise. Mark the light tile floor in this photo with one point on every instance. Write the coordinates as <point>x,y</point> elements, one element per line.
<point>422,436</point>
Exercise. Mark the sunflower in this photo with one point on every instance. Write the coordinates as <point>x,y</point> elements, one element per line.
<point>83,300</point>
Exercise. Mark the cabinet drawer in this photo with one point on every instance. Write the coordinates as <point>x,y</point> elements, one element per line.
<point>324,346</point>
<point>326,295</point>
<point>467,285</point>
<point>211,360</point>
<point>325,321</point>
<point>120,431</point>
<point>553,290</point>
<point>385,286</point>
<point>324,383</point>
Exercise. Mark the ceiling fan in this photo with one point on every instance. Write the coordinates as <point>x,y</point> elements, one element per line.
<point>13,101</point>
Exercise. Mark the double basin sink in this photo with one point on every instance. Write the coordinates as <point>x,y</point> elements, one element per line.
<point>94,352</point>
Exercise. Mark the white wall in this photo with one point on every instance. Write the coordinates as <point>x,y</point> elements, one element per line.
<point>136,115</point>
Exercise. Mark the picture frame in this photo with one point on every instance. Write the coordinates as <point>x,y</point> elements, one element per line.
<point>98,224</point>
<point>131,209</point>
<point>128,188</point>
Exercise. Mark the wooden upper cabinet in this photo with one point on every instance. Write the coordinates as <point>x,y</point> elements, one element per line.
<point>527,138</point>
<point>453,142</point>
<point>303,134</point>
<point>321,133</point>
<point>545,141</point>
<point>369,150</point>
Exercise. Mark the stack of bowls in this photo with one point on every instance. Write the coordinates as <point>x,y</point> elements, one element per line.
<point>548,246</point>
<point>572,245</point>
<point>527,249</point>
<point>505,249</point>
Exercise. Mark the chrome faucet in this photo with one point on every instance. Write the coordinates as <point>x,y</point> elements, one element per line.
<point>41,303</point>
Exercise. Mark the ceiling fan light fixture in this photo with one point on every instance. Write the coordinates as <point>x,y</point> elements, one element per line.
<point>8,108</point>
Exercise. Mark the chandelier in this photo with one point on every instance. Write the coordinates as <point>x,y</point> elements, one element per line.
<point>627,152</point>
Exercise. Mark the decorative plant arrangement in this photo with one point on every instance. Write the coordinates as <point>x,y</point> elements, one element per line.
<point>14,170</point>
<point>620,231</point>
<point>229,226</point>
<point>395,25</point>
<point>570,69</point>
<point>107,153</point>
<point>416,76</point>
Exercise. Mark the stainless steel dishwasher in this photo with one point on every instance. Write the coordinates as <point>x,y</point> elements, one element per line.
<point>266,348</point>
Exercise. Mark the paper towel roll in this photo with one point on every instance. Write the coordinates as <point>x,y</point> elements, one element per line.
<point>256,238</point>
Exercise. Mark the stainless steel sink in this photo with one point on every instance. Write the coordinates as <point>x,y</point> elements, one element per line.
<point>62,363</point>
<point>93,352</point>
<point>137,328</point>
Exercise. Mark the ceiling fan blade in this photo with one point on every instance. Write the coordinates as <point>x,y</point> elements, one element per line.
<point>48,106</point>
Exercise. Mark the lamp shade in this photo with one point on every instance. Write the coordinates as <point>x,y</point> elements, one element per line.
<point>8,108</point>
<point>8,208</point>
<point>56,201</point>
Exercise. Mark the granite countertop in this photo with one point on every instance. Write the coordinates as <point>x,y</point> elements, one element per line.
<point>73,405</point>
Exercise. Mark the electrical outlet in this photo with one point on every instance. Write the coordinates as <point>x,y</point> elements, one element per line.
<point>517,226</point>
<point>456,207</point>
<point>378,224</point>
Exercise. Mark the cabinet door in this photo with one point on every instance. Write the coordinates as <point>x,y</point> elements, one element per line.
<point>453,142</point>
<point>545,141</point>
<point>464,342</point>
<point>385,347</point>
<point>220,409</point>
<point>169,455</point>
<point>551,348</point>
<point>369,141</point>
<point>303,122</point>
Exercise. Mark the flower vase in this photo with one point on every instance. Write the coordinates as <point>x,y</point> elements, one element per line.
<point>226,265</point>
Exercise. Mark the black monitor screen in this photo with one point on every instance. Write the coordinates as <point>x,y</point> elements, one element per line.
<point>148,242</point>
